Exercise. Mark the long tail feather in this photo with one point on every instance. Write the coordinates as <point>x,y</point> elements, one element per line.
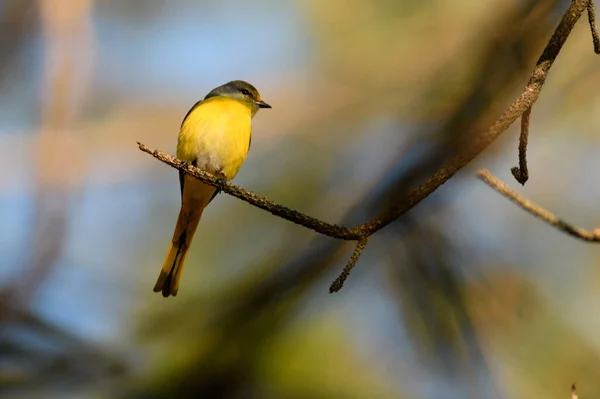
<point>194,201</point>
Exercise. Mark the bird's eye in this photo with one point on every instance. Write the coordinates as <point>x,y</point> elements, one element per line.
<point>245,92</point>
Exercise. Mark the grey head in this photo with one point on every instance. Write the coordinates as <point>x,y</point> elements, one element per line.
<point>241,91</point>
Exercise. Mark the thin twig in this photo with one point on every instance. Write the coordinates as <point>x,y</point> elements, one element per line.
<point>339,282</point>
<point>520,172</point>
<point>593,27</point>
<point>536,210</point>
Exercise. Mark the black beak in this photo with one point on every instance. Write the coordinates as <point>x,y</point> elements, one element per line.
<point>262,104</point>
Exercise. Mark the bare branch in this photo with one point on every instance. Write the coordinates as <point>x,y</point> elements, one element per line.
<point>520,172</point>
<point>339,282</point>
<point>258,201</point>
<point>536,210</point>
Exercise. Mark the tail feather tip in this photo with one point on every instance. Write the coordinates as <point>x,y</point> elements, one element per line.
<point>164,284</point>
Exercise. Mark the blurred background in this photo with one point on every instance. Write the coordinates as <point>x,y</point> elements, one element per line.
<point>464,296</point>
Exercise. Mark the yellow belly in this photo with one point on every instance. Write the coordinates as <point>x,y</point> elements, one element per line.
<point>216,134</point>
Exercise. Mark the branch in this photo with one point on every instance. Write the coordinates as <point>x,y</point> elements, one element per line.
<point>520,172</point>
<point>331,230</point>
<point>339,282</point>
<point>479,143</point>
<point>536,210</point>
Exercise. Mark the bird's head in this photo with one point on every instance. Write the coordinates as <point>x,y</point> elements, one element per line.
<point>241,91</point>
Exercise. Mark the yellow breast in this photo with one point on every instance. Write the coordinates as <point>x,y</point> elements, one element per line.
<point>216,134</point>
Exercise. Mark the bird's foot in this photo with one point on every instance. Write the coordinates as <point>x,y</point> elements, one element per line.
<point>186,164</point>
<point>221,180</point>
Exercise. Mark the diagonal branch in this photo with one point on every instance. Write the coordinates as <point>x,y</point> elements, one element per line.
<point>536,210</point>
<point>331,230</point>
<point>470,149</point>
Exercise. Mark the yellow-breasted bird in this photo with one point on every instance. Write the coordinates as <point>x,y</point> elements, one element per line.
<point>215,136</point>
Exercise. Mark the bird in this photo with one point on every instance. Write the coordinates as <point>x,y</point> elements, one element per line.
<point>215,136</point>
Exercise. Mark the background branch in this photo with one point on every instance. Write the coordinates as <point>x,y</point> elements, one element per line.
<point>536,210</point>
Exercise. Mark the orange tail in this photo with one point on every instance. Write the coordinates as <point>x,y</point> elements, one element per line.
<point>168,279</point>
<point>195,198</point>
